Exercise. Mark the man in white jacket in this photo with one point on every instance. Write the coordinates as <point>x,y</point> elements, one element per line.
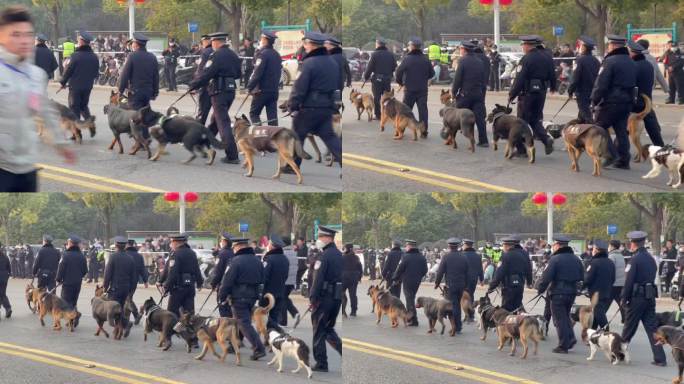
<point>23,104</point>
<point>615,255</point>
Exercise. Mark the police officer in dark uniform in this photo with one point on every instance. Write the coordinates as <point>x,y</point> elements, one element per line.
<point>203,100</point>
<point>221,72</point>
<point>264,82</point>
<point>45,266</point>
<point>313,96</point>
<point>141,273</point>
<point>599,279</point>
<point>372,261</point>
<point>93,264</point>
<point>140,74</point>
<point>468,87</point>
<point>29,260</point>
<point>334,47</point>
<point>182,274</point>
<point>413,74</point>
<point>326,298</point>
<point>481,110</point>
<point>83,69</point>
<point>674,66</point>
<point>21,261</point>
<point>225,255</point>
<point>537,74</point>
<point>410,272</point>
<point>613,96</point>
<point>455,266</point>
<point>380,71</point>
<point>241,287</point>
<point>645,82</point>
<point>639,295</point>
<point>276,269</point>
<point>120,276</point>
<point>391,264</point>
<point>583,79</point>
<point>351,276</point>
<point>71,270</point>
<point>561,276</point>
<point>44,57</point>
<point>5,273</point>
<point>514,271</point>
<point>475,272</point>
<point>171,54</point>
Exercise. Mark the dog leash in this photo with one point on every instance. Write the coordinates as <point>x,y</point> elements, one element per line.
<point>268,121</point>
<point>538,297</point>
<point>561,108</point>
<point>243,103</point>
<point>55,288</point>
<point>205,300</point>
<point>179,99</point>
<point>308,310</point>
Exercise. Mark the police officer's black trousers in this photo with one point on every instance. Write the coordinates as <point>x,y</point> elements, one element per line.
<point>78,102</point>
<point>4,300</point>
<point>378,87</point>
<point>48,283</point>
<point>224,309</point>
<point>323,320</point>
<point>410,296</point>
<point>183,297</point>
<point>70,293</point>
<point>455,297</point>
<point>584,106</point>
<point>531,109</point>
<point>419,98</point>
<point>642,309</point>
<point>616,296</point>
<point>560,310</point>
<point>616,115</point>
<point>395,290</point>
<point>242,309</point>
<point>477,105</point>
<point>600,310</point>
<point>21,267</point>
<point>93,271</point>
<point>221,103</point>
<point>318,121</point>
<point>203,105</point>
<point>289,306</point>
<point>131,304</point>
<point>494,79</point>
<point>350,285</point>
<point>140,99</point>
<point>120,295</point>
<point>675,81</point>
<point>653,129</point>
<point>511,298</point>
<point>268,100</point>
<point>274,315</point>
<point>373,271</point>
<point>170,75</point>
<point>470,288</point>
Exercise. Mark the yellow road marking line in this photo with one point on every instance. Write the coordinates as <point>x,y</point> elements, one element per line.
<point>83,361</point>
<point>103,179</point>
<point>69,180</point>
<point>428,172</point>
<point>74,367</point>
<point>450,363</point>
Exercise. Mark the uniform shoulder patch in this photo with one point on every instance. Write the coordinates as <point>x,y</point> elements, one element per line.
<point>317,264</point>
<point>629,266</point>
<point>209,63</point>
<point>258,62</point>
<point>589,268</point>
<point>171,263</point>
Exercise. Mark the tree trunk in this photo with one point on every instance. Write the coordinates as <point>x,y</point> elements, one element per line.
<point>236,17</point>
<point>55,22</point>
<point>657,225</point>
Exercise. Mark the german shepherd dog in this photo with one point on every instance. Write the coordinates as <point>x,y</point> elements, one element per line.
<point>584,315</point>
<point>436,310</point>
<point>674,337</point>
<point>362,102</point>
<point>589,138</point>
<point>160,320</point>
<point>513,129</point>
<point>178,129</point>
<point>251,140</point>
<point>393,307</point>
<point>400,115</point>
<point>458,119</point>
<point>33,295</point>
<point>58,309</point>
<point>210,329</point>
<point>373,292</point>
<point>466,305</point>
<point>120,121</point>
<point>522,327</point>
<point>635,127</point>
<point>107,311</point>
<point>337,128</point>
<point>490,316</point>
<point>71,123</point>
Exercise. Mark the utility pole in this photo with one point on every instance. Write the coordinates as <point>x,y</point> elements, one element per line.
<point>131,18</point>
<point>288,12</point>
<point>549,218</point>
<point>497,22</point>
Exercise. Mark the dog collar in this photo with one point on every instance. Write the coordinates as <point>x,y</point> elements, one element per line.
<point>497,116</point>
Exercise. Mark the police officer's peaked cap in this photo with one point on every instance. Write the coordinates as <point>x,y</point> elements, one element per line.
<point>411,242</point>
<point>468,241</point>
<point>204,37</point>
<point>454,241</point>
<point>416,41</point>
<point>637,236</point>
<point>510,240</point>
<point>131,241</point>
<point>617,39</point>
<point>315,37</point>
<point>468,45</point>
<point>41,37</point>
<point>561,239</point>
<point>349,245</point>
<point>74,239</point>
<point>48,238</point>
<point>240,240</point>
<point>381,41</point>
<point>475,42</point>
<point>120,240</point>
<point>601,244</point>
<point>333,40</point>
<point>140,38</point>
<point>635,47</point>
<point>276,240</point>
<point>588,41</point>
<point>325,231</point>
<point>178,237</point>
<point>396,243</point>
<point>218,36</point>
<point>531,39</point>
<point>269,35</point>
<point>227,236</point>
<point>85,36</point>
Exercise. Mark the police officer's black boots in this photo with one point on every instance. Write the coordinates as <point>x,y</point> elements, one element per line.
<point>320,368</point>
<point>257,355</point>
<point>8,313</point>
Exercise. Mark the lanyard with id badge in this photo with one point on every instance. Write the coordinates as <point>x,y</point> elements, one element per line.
<point>34,93</point>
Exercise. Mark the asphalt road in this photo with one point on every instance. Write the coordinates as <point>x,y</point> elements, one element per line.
<point>430,165</point>
<point>31,354</point>
<point>99,169</point>
<point>379,354</point>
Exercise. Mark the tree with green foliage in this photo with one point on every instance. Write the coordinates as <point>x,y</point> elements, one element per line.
<point>472,205</point>
<point>105,205</point>
<point>420,10</point>
<point>19,210</point>
<point>54,9</point>
<point>375,217</point>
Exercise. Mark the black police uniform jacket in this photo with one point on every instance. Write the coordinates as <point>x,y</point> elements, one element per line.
<point>92,255</point>
<point>245,274</point>
<point>266,75</point>
<point>225,255</point>
<point>381,65</point>
<point>140,73</point>
<point>537,64</point>
<point>412,268</point>
<point>644,79</point>
<point>343,65</point>
<point>73,267</point>
<point>562,273</point>
<point>514,262</point>
<point>83,69</point>
<point>141,272</point>
<point>487,65</point>
<point>475,272</point>
<point>584,76</point>
<point>5,268</point>
<point>327,272</point>
<point>616,79</point>
<point>184,264</point>
<point>47,260</point>
<point>391,263</point>
<point>470,77</point>
<point>455,266</point>
<point>318,79</point>
<point>641,270</point>
<point>275,272</point>
<point>120,274</point>
<point>171,55</point>
<point>352,270</point>
<point>223,63</point>
<point>204,57</point>
<point>414,72</point>
<point>600,276</point>
<point>46,60</point>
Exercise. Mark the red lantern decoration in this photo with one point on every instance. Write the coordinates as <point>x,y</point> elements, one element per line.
<point>501,2</point>
<point>172,197</point>
<point>191,197</point>
<point>539,198</point>
<point>559,199</point>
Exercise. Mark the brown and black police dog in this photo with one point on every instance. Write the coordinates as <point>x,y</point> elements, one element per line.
<point>385,303</point>
<point>33,295</point>
<point>160,320</point>
<point>522,327</point>
<point>589,138</point>
<point>109,311</point>
<point>400,115</point>
<point>58,309</point>
<point>363,103</point>
<point>674,337</point>
<point>436,310</point>
<point>210,329</point>
<point>513,129</point>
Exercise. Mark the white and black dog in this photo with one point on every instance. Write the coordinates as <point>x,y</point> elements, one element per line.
<point>669,158</point>
<point>611,343</point>
<point>286,345</point>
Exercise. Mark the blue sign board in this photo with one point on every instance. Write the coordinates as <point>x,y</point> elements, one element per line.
<point>244,227</point>
<point>612,229</point>
<point>193,27</point>
<point>558,30</point>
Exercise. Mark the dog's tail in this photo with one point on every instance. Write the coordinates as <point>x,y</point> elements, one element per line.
<point>594,300</point>
<point>644,151</point>
<point>213,140</point>
<point>271,302</point>
<point>114,316</point>
<point>299,149</point>
<point>648,107</point>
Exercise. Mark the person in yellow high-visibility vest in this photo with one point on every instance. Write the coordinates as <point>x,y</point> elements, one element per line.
<point>68,48</point>
<point>444,56</point>
<point>434,52</point>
